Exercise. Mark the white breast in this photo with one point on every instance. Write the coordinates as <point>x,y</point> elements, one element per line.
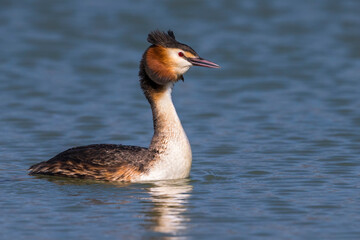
<point>174,163</point>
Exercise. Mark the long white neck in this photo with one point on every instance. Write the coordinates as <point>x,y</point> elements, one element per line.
<point>167,125</point>
<point>169,140</point>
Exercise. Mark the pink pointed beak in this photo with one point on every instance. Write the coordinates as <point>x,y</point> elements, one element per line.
<point>202,62</point>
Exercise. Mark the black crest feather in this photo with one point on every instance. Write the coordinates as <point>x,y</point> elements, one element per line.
<point>163,39</point>
<point>171,34</point>
<point>167,40</point>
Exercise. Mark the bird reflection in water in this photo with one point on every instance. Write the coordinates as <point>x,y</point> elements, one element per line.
<point>170,202</point>
<point>165,209</point>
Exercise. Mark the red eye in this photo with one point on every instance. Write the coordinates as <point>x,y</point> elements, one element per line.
<point>181,54</point>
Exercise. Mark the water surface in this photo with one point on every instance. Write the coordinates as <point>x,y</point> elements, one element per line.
<point>274,132</point>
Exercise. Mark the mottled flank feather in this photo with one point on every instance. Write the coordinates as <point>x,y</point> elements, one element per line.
<point>100,161</point>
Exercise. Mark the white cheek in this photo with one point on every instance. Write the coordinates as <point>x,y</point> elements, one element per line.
<point>181,65</point>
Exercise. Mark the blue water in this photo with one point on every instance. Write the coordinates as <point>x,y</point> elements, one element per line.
<point>274,132</point>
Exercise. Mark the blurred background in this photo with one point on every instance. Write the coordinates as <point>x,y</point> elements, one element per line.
<point>274,132</point>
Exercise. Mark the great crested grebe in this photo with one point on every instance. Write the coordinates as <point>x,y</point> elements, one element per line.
<point>169,154</point>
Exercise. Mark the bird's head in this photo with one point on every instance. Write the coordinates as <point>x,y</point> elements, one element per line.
<point>166,60</point>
